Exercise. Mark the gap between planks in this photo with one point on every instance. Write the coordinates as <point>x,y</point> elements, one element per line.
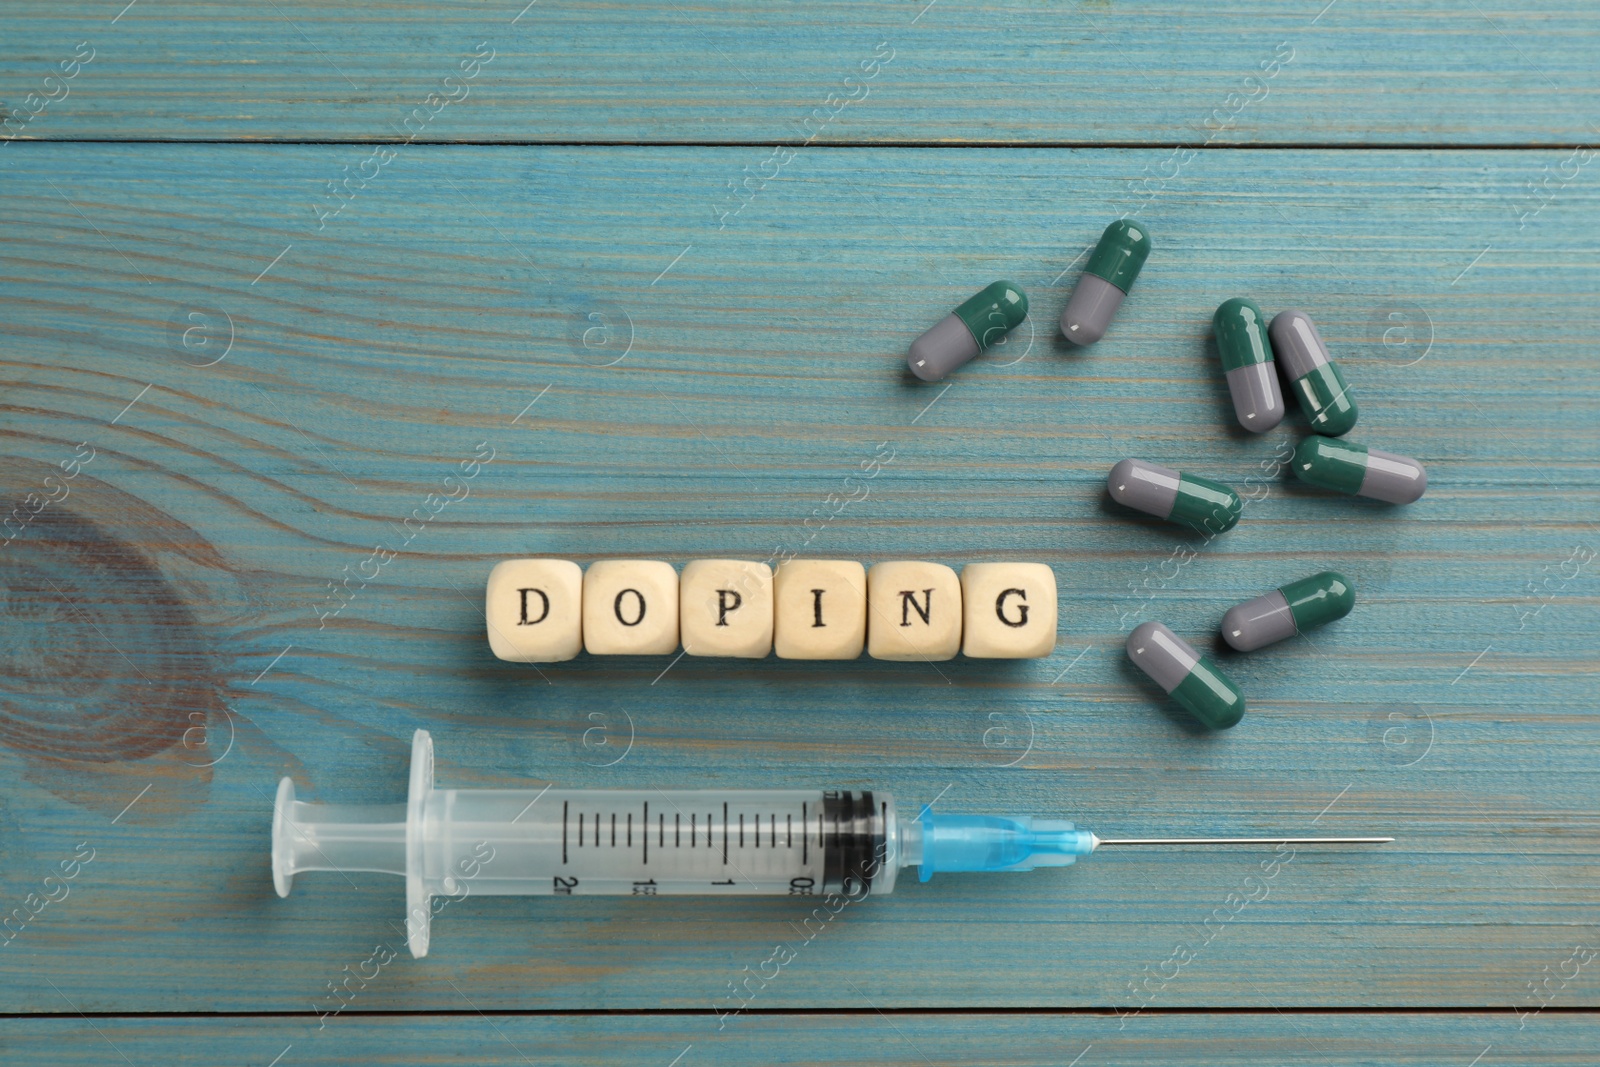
<point>1211,146</point>
<point>605,1013</point>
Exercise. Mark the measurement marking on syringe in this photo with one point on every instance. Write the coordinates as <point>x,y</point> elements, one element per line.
<point>724,833</point>
<point>630,830</point>
<point>677,830</point>
<point>805,858</point>
<point>564,831</point>
<point>788,821</point>
<point>613,829</point>
<point>692,818</point>
<point>647,831</point>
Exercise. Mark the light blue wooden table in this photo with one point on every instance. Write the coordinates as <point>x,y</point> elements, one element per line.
<point>268,273</point>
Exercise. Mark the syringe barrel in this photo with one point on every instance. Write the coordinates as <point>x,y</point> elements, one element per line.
<point>656,843</point>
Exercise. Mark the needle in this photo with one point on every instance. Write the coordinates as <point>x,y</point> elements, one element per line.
<point>1244,841</point>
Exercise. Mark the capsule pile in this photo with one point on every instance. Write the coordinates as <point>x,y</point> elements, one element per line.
<point>1254,352</point>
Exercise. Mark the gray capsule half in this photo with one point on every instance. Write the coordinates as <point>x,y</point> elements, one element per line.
<point>943,348</point>
<point>1090,309</point>
<point>1296,344</point>
<point>1162,654</point>
<point>1393,479</point>
<point>1146,487</point>
<point>1258,623</point>
<point>1256,400</point>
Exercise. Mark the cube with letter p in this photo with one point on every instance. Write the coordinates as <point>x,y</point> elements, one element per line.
<point>725,608</point>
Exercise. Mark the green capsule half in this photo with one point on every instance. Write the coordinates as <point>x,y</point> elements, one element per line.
<point>992,312</point>
<point>1246,353</point>
<point>1112,267</point>
<point>1319,599</point>
<point>1188,677</point>
<point>1314,378</point>
<point>1346,467</point>
<point>1198,503</point>
<point>1118,258</point>
<point>1288,610</point>
<point>982,321</point>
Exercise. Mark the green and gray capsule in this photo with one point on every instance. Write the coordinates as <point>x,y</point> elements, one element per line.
<point>1105,281</point>
<point>1314,378</point>
<point>1288,610</point>
<point>1358,470</point>
<point>1188,677</point>
<point>1198,503</point>
<point>1246,352</point>
<point>976,326</point>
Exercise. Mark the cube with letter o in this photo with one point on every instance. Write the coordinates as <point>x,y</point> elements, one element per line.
<point>630,608</point>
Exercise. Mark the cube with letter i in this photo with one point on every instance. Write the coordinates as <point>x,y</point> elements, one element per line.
<point>821,609</point>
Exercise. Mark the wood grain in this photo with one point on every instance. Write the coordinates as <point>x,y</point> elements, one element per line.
<point>1421,72</point>
<point>866,1036</point>
<point>167,654</point>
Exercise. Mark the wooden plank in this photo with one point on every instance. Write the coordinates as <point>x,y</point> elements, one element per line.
<point>191,562</point>
<point>1488,1039</point>
<point>1426,71</point>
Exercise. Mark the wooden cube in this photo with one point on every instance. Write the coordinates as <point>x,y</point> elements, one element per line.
<point>821,609</point>
<point>725,608</point>
<point>533,610</point>
<point>630,608</point>
<point>1009,610</point>
<point>913,611</point>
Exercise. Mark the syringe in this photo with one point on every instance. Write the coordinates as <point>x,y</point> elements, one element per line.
<point>646,843</point>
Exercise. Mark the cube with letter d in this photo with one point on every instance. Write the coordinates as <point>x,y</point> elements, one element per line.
<point>533,609</point>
